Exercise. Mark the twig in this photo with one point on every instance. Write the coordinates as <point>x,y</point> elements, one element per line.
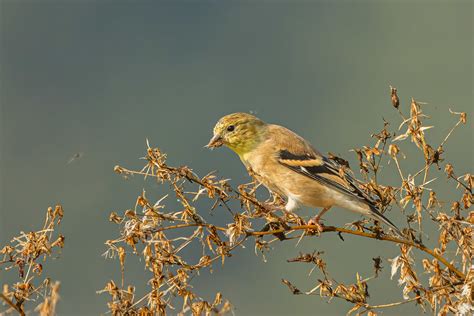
<point>398,167</point>
<point>369,307</point>
<point>460,182</point>
<point>12,305</point>
<point>450,132</point>
<point>331,229</point>
<point>368,235</point>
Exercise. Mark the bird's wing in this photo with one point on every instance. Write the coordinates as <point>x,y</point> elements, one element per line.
<point>327,172</point>
<point>295,153</point>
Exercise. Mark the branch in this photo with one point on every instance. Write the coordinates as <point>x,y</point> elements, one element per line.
<point>326,229</point>
<point>460,182</point>
<point>369,307</point>
<point>367,235</point>
<point>10,303</point>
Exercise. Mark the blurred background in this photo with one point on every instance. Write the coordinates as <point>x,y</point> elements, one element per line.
<point>94,79</point>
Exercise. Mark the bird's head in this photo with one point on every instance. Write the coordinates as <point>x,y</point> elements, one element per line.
<point>241,132</point>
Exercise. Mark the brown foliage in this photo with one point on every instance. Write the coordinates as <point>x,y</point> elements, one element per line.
<point>146,230</point>
<point>23,255</point>
<point>159,235</point>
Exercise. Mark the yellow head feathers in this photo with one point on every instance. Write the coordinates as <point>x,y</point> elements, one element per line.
<point>240,132</point>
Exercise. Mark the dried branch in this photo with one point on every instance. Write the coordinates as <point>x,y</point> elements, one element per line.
<point>23,254</point>
<point>145,230</point>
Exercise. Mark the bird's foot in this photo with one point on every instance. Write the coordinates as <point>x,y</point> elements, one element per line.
<point>318,227</point>
<point>271,207</point>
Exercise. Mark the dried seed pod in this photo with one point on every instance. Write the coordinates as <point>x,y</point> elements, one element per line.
<point>393,150</point>
<point>449,170</point>
<point>394,97</point>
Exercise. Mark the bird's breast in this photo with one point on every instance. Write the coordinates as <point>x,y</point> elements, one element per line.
<point>268,171</point>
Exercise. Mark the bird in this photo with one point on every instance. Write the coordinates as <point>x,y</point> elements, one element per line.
<point>286,164</point>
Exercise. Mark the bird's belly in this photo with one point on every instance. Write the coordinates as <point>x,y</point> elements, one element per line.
<point>303,190</point>
<point>309,192</point>
<point>317,199</point>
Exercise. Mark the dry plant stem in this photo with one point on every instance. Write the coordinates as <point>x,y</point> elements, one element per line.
<point>401,114</point>
<point>452,176</point>
<point>449,285</point>
<point>211,260</point>
<point>370,307</point>
<point>333,229</point>
<point>368,235</point>
<point>398,168</point>
<point>192,178</point>
<point>188,225</point>
<point>10,303</point>
<point>379,161</point>
<point>450,132</point>
<point>22,253</point>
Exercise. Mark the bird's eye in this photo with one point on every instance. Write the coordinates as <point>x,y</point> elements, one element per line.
<point>230,128</point>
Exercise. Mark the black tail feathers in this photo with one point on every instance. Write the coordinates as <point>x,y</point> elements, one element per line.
<point>379,216</point>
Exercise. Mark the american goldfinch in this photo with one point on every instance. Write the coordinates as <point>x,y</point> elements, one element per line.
<point>288,165</point>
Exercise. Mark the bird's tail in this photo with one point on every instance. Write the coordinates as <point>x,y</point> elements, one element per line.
<point>375,214</point>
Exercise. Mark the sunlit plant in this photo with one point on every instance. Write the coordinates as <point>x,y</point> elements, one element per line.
<point>159,235</point>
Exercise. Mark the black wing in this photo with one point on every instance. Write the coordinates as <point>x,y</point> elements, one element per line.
<point>329,172</point>
<point>325,171</point>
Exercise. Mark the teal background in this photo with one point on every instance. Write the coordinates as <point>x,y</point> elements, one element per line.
<point>99,77</point>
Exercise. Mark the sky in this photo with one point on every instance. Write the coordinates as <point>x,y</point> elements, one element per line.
<point>100,77</point>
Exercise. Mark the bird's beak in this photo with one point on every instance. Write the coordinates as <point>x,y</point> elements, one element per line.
<point>216,141</point>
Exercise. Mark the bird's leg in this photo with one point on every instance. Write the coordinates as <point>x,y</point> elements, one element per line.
<point>315,220</point>
<point>275,204</point>
<point>271,207</point>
